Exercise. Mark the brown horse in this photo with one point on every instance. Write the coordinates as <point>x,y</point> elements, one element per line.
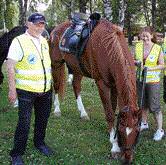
<point>107,60</point>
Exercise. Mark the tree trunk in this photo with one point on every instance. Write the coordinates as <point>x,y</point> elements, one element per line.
<point>146,13</point>
<point>23,11</point>
<point>69,6</point>
<point>82,6</point>
<point>153,14</point>
<point>128,23</point>
<point>52,15</point>
<point>107,10</point>
<point>2,8</point>
<point>122,8</point>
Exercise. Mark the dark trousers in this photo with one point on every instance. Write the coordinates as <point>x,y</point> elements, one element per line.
<point>164,89</point>
<point>41,102</point>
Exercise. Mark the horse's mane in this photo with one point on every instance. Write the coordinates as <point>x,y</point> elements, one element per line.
<point>114,43</point>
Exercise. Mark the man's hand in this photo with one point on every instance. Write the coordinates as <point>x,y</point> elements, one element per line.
<point>12,95</point>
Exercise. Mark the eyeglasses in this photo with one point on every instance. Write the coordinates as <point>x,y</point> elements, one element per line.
<point>39,24</point>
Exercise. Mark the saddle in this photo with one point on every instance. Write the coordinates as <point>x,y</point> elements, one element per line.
<point>76,36</point>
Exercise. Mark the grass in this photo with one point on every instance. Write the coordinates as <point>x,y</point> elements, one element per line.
<point>76,142</point>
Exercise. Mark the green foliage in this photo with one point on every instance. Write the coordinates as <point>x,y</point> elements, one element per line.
<point>11,15</point>
<point>1,14</point>
<point>56,13</point>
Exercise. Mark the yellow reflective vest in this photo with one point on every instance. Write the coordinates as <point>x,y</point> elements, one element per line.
<point>164,47</point>
<point>151,61</point>
<point>33,72</point>
<point>164,51</point>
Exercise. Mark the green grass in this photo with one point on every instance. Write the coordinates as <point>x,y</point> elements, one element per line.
<point>76,142</point>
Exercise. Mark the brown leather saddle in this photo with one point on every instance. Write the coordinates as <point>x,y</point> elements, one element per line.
<point>75,37</point>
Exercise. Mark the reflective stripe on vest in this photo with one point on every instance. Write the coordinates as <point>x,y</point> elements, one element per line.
<point>151,61</point>
<point>33,72</point>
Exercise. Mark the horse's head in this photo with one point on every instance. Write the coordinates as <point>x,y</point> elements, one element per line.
<point>128,129</point>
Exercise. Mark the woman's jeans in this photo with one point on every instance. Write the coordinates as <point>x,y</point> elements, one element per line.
<point>41,102</point>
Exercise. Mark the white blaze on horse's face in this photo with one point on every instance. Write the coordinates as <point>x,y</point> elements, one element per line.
<point>128,130</point>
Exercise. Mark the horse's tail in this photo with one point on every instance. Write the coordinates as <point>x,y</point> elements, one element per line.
<point>58,74</point>
<point>58,66</point>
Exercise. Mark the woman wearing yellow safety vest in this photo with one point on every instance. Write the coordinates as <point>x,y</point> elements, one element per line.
<point>29,79</point>
<point>164,78</point>
<point>164,45</point>
<point>151,56</point>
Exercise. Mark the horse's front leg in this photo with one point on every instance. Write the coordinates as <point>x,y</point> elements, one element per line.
<point>77,90</point>
<point>104,92</point>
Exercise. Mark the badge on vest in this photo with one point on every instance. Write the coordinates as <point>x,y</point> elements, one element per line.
<point>32,59</point>
<point>151,58</point>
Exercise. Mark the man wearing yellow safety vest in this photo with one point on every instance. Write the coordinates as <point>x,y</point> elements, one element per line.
<point>151,56</point>
<point>29,79</point>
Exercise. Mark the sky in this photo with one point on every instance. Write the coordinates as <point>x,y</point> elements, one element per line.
<point>41,7</point>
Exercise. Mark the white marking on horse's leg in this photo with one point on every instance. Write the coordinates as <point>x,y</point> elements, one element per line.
<point>70,79</point>
<point>128,130</point>
<point>57,111</point>
<point>81,108</point>
<point>113,140</point>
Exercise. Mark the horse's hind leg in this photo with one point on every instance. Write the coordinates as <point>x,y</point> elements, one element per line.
<point>57,111</point>
<point>77,89</point>
<point>109,103</point>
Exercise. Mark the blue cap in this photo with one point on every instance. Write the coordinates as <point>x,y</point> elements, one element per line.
<point>36,17</point>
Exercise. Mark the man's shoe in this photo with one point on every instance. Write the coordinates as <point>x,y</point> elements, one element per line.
<point>45,150</point>
<point>17,160</point>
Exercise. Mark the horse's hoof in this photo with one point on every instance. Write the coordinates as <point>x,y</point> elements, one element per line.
<point>57,114</point>
<point>85,118</point>
<point>115,155</point>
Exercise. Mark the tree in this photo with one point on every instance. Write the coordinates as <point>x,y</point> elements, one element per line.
<point>153,11</point>
<point>82,6</point>
<point>132,17</point>
<point>11,14</point>
<point>22,11</point>
<point>122,8</point>
<point>2,8</point>
<point>107,10</point>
